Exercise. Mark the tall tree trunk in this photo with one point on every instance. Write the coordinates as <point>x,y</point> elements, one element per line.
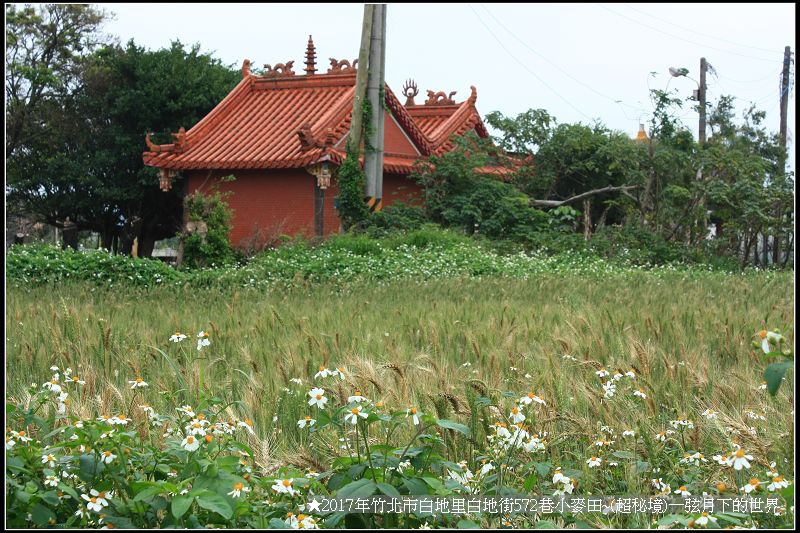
<point>146,245</point>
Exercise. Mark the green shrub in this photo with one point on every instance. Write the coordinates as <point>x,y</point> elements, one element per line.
<point>213,248</point>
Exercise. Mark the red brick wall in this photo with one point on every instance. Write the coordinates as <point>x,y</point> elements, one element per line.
<point>268,203</point>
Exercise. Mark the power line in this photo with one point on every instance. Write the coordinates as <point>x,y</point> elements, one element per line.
<point>525,66</point>
<point>698,33</point>
<point>686,40</point>
<point>566,73</point>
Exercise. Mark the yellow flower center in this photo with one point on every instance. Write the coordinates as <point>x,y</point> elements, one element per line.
<point>755,482</point>
<point>190,439</point>
<point>319,396</point>
<point>121,417</point>
<point>139,380</point>
<point>200,416</point>
<point>321,368</point>
<point>341,369</point>
<point>301,517</point>
<point>22,433</point>
<point>358,393</point>
<point>762,334</point>
<point>102,495</point>
<point>354,410</point>
<point>514,410</point>
<point>286,483</point>
<point>196,425</point>
<point>238,486</point>
<point>209,438</point>
<point>308,419</point>
<point>248,422</point>
<point>75,379</point>
<point>739,453</point>
<point>704,513</point>
<point>413,410</point>
<point>682,488</point>
<point>721,487</point>
<point>108,454</point>
<point>777,479</point>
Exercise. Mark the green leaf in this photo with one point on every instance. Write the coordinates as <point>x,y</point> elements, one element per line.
<point>41,515</point>
<point>467,524</point>
<point>624,455</point>
<point>774,375</point>
<point>388,490</point>
<point>181,504</point>
<point>216,503</point>
<point>415,486</point>
<point>544,524</point>
<point>358,489</point>
<point>50,497</point>
<point>148,492</point>
<point>449,424</point>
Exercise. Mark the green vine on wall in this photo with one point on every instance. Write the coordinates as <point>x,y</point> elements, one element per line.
<point>352,180</point>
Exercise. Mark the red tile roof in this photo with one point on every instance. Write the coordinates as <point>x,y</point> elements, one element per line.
<point>289,121</point>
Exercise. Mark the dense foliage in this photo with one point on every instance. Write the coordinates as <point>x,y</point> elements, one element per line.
<point>210,246</point>
<point>79,106</point>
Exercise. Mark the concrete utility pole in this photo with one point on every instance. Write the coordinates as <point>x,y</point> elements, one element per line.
<point>787,60</point>
<point>701,96</point>
<point>356,122</point>
<point>373,156</point>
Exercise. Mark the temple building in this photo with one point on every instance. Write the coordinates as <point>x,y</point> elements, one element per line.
<point>282,134</point>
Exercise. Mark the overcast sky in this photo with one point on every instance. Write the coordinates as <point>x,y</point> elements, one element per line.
<point>578,61</point>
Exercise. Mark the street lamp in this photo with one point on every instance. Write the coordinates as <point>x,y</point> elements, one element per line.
<point>699,94</point>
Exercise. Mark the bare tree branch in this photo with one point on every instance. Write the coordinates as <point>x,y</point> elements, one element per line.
<point>610,188</point>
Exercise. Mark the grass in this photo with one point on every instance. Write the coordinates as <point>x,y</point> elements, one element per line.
<point>689,338</point>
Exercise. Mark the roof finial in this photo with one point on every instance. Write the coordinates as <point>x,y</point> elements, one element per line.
<point>311,55</point>
<point>245,68</point>
<point>410,91</point>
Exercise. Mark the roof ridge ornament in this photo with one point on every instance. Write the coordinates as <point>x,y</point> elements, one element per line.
<point>410,90</point>
<point>279,70</point>
<point>311,56</point>
<point>178,144</point>
<point>440,98</point>
<point>343,66</point>
<point>245,68</point>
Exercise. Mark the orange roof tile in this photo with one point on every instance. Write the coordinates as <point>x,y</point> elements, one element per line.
<point>294,121</point>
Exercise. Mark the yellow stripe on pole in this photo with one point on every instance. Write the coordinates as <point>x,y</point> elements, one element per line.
<point>378,205</point>
<point>371,202</point>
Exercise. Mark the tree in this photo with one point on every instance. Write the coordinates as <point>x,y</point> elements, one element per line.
<point>91,168</point>
<point>45,49</point>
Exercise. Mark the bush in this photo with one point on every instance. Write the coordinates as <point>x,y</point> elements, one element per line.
<point>213,248</point>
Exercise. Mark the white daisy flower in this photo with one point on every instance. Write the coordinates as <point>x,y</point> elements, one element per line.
<point>631,374</point>
<point>593,461</point>
<point>178,337</point>
<point>307,421</point>
<point>137,383</point>
<point>559,477</point>
<point>412,412</point>
<point>683,491</point>
<point>602,373</point>
<point>284,486</point>
<point>50,459</point>
<point>354,414</point>
<point>51,481</point>
<point>187,410</point>
<point>531,397</point>
<point>96,500</point>
<point>357,397</point>
<point>202,340</point>
<point>609,389</point>
<point>769,338</point>
<point>704,519</point>
<point>640,393</point>
<point>246,424</point>
<point>120,420</point>
<point>751,486</point>
<point>710,414</point>
<point>238,489</point>
<point>52,386</point>
<point>629,433</point>
<point>323,373</point>
<point>741,460</point>
<point>778,482</point>
<point>76,380</point>
<point>317,397</point>
<point>190,443</point>
<point>516,416</point>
